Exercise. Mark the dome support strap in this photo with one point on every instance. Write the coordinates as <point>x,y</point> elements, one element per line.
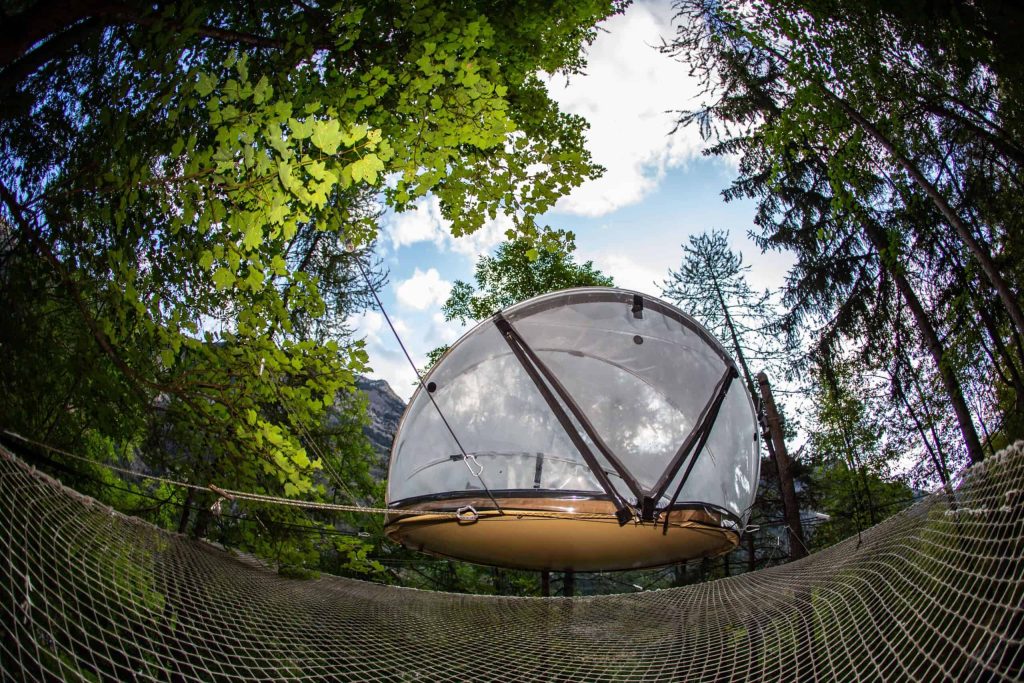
<point>705,422</point>
<point>704,429</point>
<point>534,367</point>
<point>638,306</point>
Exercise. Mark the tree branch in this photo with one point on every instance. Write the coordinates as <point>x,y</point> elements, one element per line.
<point>17,213</point>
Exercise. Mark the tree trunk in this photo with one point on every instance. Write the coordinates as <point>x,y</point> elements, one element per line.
<point>935,347</point>
<point>186,509</point>
<point>797,549</point>
<point>938,464</point>
<point>1015,379</point>
<point>42,20</point>
<point>915,380</point>
<point>1006,295</point>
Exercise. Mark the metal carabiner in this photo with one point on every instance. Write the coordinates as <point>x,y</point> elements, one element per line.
<point>471,460</point>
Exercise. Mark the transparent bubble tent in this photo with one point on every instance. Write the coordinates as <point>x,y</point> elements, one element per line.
<point>587,429</point>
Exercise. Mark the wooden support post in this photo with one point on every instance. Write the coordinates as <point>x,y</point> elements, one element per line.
<point>545,583</point>
<point>569,585</point>
<point>751,552</point>
<point>791,508</point>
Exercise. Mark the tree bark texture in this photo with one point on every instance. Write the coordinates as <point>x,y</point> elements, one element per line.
<point>797,548</point>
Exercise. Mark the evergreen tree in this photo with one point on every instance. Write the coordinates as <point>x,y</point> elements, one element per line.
<point>860,137</point>
<point>711,285</point>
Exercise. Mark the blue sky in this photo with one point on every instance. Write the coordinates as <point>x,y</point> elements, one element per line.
<point>657,191</point>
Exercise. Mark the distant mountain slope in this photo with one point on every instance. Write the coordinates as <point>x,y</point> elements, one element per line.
<point>385,409</point>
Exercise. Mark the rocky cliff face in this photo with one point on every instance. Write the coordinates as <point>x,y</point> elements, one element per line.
<point>385,409</point>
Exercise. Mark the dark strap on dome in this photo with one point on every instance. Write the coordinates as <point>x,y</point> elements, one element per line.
<point>534,367</point>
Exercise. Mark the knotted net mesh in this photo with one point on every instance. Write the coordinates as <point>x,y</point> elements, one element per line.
<point>933,593</point>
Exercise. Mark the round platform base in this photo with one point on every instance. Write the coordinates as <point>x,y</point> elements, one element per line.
<point>560,536</point>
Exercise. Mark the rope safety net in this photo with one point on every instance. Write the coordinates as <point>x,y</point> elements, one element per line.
<point>933,593</point>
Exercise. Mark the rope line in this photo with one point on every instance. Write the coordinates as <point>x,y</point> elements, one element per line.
<point>467,457</point>
<point>229,493</point>
<point>232,494</point>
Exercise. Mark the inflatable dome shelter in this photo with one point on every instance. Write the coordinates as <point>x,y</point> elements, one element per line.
<point>588,429</point>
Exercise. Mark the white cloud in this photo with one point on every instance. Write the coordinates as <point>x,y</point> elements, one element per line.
<point>490,235</point>
<point>387,360</point>
<point>442,332</point>
<point>423,290</point>
<point>627,95</point>
<point>424,223</point>
<point>400,326</point>
<point>768,270</point>
<point>391,365</point>
<point>627,272</point>
<point>366,325</point>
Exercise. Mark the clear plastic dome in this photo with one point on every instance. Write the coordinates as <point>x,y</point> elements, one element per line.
<point>594,393</point>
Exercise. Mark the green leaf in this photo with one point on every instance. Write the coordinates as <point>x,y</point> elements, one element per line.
<point>284,172</point>
<point>278,214</point>
<point>206,260</point>
<point>206,84</point>
<point>354,134</point>
<point>263,91</point>
<point>317,169</point>
<point>366,168</point>
<point>254,280</point>
<point>253,236</point>
<point>231,91</point>
<point>223,278</point>
<point>300,129</point>
<point>327,135</point>
<point>282,109</point>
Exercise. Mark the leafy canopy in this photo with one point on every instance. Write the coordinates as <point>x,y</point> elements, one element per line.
<point>515,273</point>
<point>179,180</point>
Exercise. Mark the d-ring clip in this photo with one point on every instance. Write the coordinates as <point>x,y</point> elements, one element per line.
<point>467,514</point>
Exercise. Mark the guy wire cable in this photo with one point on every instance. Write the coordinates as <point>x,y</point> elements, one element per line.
<point>466,458</point>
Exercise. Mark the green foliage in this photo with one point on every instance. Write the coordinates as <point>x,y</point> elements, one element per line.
<point>179,183</point>
<point>850,458</point>
<point>883,147</point>
<point>711,285</point>
<point>516,272</point>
